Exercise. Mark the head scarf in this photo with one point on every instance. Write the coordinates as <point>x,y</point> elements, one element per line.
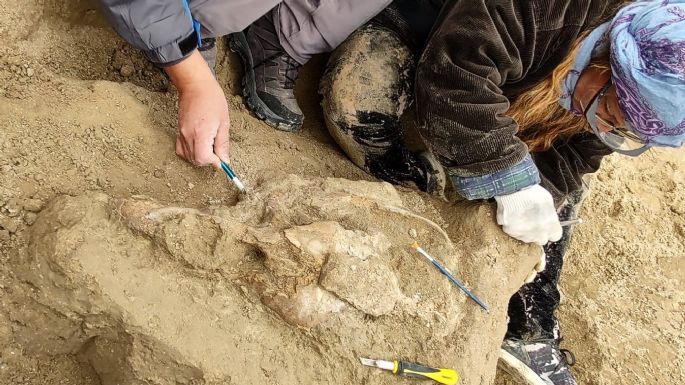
<point>594,45</point>
<point>647,44</point>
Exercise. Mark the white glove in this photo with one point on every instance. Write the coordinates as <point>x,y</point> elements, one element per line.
<point>529,215</point>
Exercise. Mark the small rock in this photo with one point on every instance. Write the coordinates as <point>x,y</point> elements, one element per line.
<point>9,355</point>
<point>13,207</point>
<point>158,173</point>
<point>9,224</point>
<point>680,229</point>
<point>214,201</point>
<point>30,218</point>
<point>127,70</point>
<point>4,235</point>
<point>413,233</point>
<point>29,72</point>
<point>118,60</point>
<point>33,205</point>
<point>191,185</point>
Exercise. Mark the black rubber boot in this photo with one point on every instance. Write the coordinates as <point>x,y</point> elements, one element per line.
<point>270,74</point>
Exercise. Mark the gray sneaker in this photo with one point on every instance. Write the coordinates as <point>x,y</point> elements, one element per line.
<point>270,74</point>
<point>539,362</point>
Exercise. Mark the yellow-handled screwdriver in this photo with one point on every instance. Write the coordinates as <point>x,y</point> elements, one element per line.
<point>407,369</point>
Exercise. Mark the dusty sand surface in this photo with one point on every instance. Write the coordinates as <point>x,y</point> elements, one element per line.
<point>83,115</point>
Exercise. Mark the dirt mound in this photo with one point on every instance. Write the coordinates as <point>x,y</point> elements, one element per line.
<point>315,269</point>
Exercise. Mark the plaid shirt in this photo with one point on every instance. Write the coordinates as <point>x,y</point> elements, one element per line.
<point>503,182</point>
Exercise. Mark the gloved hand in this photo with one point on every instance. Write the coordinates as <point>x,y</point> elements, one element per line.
<point>529,215</point>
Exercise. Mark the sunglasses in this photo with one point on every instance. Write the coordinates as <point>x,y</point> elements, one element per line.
<point>623,140</point>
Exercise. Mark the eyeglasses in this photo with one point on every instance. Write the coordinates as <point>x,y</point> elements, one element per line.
<point>623,140</point>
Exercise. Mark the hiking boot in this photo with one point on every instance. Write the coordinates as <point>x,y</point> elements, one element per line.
<point>436,178</point>
<point>270,74</point>
<point>208,51</point>
<point>537,362</point>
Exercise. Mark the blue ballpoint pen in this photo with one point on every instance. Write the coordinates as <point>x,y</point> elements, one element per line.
<point>449,275</point>
<point>232,176</point>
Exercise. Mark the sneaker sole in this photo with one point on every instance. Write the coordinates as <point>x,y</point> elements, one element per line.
<point>237,43</point>
<point>518,370</point>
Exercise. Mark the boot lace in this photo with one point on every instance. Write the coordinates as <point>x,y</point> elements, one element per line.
<point>567,356</point>
<point>287,70</point>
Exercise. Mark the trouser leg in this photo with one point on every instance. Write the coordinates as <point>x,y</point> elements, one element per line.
<point>309,27</point>
<point>305,27</point>
<point>223,17</point>
<point>366,89</point>
<point>532,308</point>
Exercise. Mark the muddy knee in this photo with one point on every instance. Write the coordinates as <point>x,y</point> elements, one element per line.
<point>366,89</point>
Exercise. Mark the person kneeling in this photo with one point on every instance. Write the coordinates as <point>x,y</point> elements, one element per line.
<point>516,101</point>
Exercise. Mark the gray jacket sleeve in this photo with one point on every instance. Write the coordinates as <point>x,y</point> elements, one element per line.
<point>162,29</point>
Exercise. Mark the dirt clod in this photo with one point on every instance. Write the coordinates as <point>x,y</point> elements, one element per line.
<point>127,70</point>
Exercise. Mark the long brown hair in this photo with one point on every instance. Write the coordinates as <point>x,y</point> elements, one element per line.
<point>542,121</point>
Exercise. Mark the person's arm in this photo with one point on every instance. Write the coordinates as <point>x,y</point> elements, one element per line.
<point>203,119</point>
<point>165,32</point>
<point>162,29</point>
<point>563,166</point>
<point>477,47</point>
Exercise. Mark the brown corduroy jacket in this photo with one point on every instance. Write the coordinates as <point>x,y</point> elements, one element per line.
<point>480,56</point>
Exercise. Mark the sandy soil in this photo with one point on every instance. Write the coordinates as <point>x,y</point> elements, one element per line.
<point>81,112</point>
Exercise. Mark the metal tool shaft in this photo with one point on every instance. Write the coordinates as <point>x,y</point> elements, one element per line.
<point>571,222</point>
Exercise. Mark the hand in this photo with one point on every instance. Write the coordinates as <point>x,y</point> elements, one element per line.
<point>203,120</point>
<point>203,125</point>
<point>529,215</point>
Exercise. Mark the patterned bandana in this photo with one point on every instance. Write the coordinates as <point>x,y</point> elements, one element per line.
<point>648,68</point>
